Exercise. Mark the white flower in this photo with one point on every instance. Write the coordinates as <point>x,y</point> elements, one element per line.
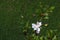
<point>38,30</point>
<point>37,26</point>
<point>33,25</point>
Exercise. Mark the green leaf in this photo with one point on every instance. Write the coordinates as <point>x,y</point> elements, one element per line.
<point>45,38</point>
<point>51,31</point>
<point>54,38</point>
<point>27,24</point>
<point>46,14</point>
<point>52,7</point>
<point>46,17</point>
<point>41,38</point>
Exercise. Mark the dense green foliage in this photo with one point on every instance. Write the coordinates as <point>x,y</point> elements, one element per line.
<point>18,14</point>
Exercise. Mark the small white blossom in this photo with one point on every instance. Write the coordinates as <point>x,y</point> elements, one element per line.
<point>37,26</point>
<point>38,30</point>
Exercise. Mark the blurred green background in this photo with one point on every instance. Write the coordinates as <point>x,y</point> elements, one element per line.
<point>15,13</point>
